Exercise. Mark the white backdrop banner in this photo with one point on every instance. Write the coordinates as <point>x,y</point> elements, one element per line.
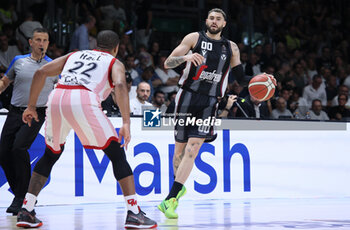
<point>238,164</point>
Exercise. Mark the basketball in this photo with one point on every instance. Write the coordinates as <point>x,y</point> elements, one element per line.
<point>261,87</point>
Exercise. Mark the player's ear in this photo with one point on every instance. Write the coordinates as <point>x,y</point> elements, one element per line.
<point>224,23</point>
<point>115,50</point>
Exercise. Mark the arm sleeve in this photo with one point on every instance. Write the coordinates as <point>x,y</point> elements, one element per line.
<point>238,74</point>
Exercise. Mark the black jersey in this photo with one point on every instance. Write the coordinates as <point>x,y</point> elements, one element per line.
<point>209,78</point>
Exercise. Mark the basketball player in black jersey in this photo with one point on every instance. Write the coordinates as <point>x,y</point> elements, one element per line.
<point>209,58</point>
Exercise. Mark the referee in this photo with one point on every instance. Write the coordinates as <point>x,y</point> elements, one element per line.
<point>16,136</point>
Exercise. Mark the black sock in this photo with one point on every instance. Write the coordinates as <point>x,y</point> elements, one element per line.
<point>175,189</point>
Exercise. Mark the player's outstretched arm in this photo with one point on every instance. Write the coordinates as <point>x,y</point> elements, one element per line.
<point>178,56</point>
<point>122,98</point>
<point>51,69</point>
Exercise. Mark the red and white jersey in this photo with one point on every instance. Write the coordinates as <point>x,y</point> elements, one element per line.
<point>91,69</point>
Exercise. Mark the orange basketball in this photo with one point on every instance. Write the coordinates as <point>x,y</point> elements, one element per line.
<point>261,87</point>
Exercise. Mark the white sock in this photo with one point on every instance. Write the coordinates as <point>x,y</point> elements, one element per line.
<point>29,202</point>
<point>131,203</point>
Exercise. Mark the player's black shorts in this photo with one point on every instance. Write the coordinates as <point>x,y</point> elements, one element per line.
<point>195,116</point>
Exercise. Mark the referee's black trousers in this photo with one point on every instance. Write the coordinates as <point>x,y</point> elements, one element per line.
<point>16,139</point>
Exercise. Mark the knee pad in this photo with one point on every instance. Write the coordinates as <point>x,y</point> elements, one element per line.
<point>46,162</point>
<point>116,155</point>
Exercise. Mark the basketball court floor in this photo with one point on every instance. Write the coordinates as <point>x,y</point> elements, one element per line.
<point>244,214</point>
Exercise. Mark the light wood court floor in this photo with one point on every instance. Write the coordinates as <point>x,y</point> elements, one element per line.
<point>244,214</point>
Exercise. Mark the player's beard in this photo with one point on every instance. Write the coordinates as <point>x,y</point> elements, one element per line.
<point>218,30</point>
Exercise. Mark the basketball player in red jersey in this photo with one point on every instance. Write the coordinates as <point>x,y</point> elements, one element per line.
<point>87,78</point>
<point>209,58</point>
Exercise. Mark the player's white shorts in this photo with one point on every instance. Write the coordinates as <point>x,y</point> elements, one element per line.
<point>77,108</point>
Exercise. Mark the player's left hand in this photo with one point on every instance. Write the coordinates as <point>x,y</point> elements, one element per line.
<point>29,114</point>
<point>124,131</point>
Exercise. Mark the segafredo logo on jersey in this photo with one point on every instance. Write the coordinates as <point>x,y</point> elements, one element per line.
<point>206,75</point>
<point>211,76</point>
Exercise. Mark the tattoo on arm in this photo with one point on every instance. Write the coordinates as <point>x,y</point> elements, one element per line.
<point>36,183</point>
<point>173,62</point>
<point>234,47</point>
<point>177,160</point>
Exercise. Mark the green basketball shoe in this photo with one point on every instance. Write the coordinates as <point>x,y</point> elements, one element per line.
<point>168,207</point>
<point>181,193</point>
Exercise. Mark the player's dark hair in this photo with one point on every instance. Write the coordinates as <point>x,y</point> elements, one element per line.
<point>107,40</point>
<point>218,10</point>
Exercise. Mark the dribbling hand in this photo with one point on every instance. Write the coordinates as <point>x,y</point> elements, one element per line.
<point>195,58</point>
<point>273,79</point>
<point>28,116</point>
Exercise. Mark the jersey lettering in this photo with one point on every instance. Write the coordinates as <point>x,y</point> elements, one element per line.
<point>71,80</point>
<point>89,68</point>
<point>80,65</point>
<point>207,46</point>
<point>200,72</point>
<point>204,128</point>
<point>87,57</point>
